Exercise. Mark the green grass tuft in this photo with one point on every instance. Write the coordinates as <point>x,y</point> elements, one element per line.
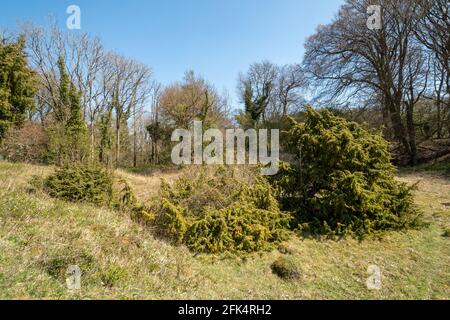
<point>286,268</point>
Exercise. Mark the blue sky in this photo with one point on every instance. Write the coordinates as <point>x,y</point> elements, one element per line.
<point>215,38</point>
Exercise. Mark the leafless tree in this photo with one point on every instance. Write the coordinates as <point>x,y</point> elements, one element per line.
<point>271,91</point>
<point>432,30</point>
<point>88,70</point>
<point>131,86</point>
<point>288,89</point>
<point>108,82</point>
<point>257,89</point>
<point>192,99</point>
<point>85,62</point>
<point>45,48</point>
<point>347,61</point>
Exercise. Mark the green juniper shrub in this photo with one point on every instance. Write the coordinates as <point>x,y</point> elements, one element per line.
<point>342,181</point>
<point>286,268</point>
<point>81,183</point>
<point>220,210</point>
<point>142,214</point>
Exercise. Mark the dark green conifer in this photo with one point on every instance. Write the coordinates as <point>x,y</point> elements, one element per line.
<point>18,85</point>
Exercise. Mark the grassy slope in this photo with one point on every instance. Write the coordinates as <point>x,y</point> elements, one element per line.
<point>40,236</point>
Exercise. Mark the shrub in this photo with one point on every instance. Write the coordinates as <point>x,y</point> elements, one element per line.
<point>126,198</point>
<point>81,183</point>
<point>221,210</point>
<point>343,181</point>
<point>286,268</point>
<point>27,144</point>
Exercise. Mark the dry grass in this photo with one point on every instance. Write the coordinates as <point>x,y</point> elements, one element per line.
<point>120,259</point>
<point>146,187</point>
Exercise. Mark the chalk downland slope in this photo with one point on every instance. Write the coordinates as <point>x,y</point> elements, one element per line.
<point>120,259</point>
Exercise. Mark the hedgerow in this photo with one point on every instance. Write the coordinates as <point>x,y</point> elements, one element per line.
<point>342,181</point>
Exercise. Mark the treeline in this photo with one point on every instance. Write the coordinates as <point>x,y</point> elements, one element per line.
<point>395,77</point>
<point>84,97</point>
<point>80,102</point>
<point>400,70</point>
<point>91,105</point>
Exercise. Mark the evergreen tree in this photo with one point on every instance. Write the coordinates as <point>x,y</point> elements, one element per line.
<point>105,130</point>
<point>62,108</point>
<point>76,130</point>
<point>68,133</point>
<point>17,85</point>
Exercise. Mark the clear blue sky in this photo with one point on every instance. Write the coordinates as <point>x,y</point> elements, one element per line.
<point>215,38</point>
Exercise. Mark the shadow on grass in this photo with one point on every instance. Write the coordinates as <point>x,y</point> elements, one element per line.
<point>441,168</point>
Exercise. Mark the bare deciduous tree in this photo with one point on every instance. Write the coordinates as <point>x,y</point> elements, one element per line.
<point>289,87</point>
<point>347,60</point>
<point>257,89</point>
<point>131,85</point>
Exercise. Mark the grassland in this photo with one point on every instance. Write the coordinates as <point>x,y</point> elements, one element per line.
<point>120,259</point>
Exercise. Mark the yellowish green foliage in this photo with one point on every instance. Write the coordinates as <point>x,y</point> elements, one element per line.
<point>41,236</point>
<point>216,210</point>
<point>342,180</point>
<point>81,183</point>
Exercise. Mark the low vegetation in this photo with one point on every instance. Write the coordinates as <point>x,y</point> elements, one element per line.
<point>343,184</point>
<point>121,259</point>
<point>221,210</point>
<point>286,268</point>
<point>81,183</point>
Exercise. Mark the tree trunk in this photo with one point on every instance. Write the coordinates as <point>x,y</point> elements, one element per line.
<point>399,131</point>
<point>134,150</point>
<point>411,133</point>
<point>134,139</point>
<point>117,141</point>
<point>439,122</point>
<point>92,141</point>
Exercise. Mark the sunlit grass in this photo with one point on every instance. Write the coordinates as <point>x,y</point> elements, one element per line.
<point>120,259</point>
